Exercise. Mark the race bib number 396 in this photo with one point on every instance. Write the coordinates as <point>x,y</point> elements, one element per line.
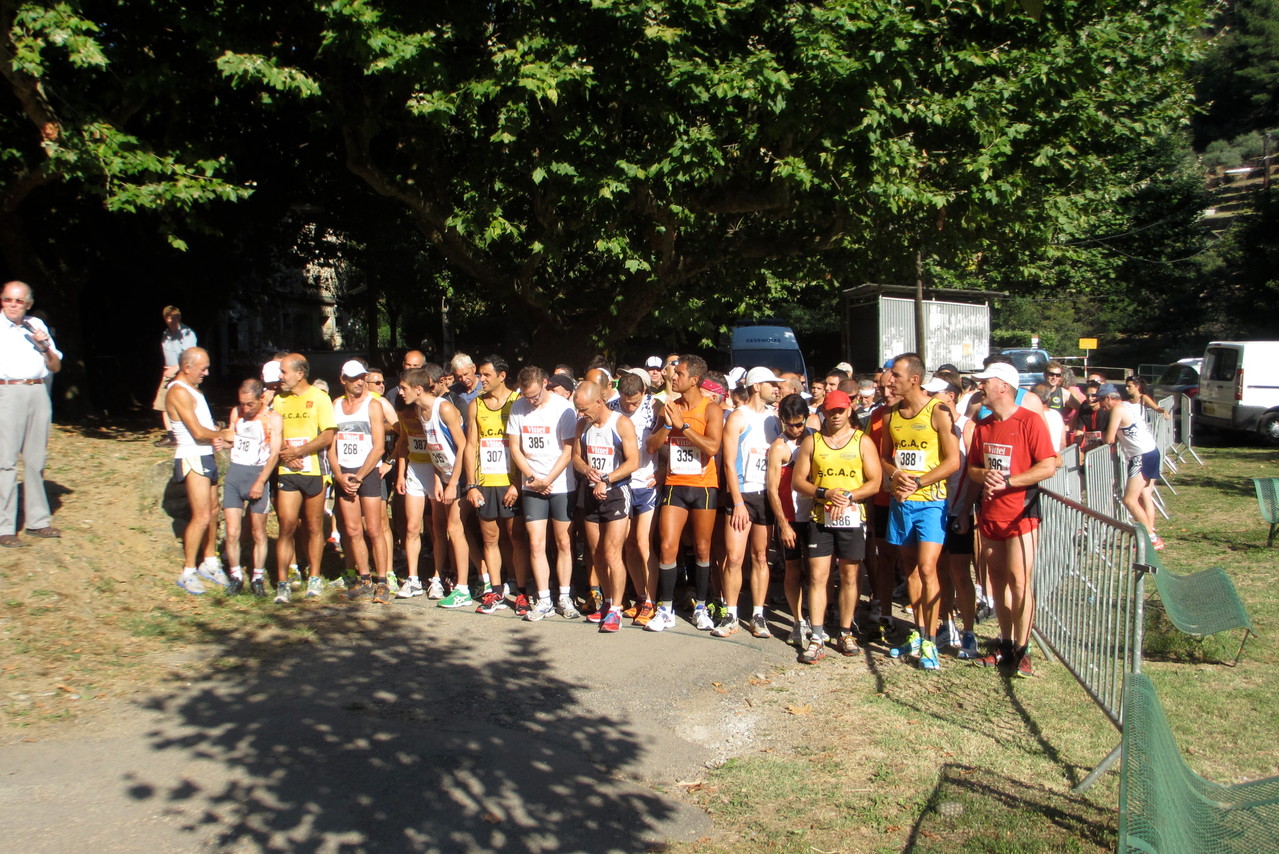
<point>998,457</point>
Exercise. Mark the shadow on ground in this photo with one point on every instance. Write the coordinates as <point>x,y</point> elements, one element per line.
<point>381,742</point>
<point>999,813</point>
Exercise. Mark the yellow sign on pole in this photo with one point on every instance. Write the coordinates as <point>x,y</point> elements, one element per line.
<point>1087,343</point>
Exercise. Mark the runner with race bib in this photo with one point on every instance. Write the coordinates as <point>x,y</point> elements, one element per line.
<point>838,468</point>
<point>255,444</point>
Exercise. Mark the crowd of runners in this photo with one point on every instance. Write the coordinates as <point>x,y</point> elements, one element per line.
<point>486,488</point>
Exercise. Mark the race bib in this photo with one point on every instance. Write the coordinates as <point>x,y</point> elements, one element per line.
<point>243,451</point>
<point>536,441</point>
<point>756,465</point>
<point>307,468</point>
<point>493,456</point>
<point>685,459</point>
<point>418,448</point>
<point>998,457</point>
<point>842,517</point>
<point>910,459</point>
<point>353,448</point>
<point>600,458</point>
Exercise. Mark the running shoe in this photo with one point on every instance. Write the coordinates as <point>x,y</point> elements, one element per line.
<point>382,594</point>
<point>612,622</point>
<point>759,626</point>
<point>727,627</point>
<point>236,585</point>
<point>597,616</point>
<point>564,607</point>
<point>968,647</point>
<point>459,598</point>
<point>702,619</point>
<point>283,594</point>
<point>361,588</point>
<point>213,571</point>
<point>258,586</point>
<point>593,604</point>
<point>190,581</point>
<point>847,644</point>
<point>984,612</point>
<point>717,610</point>
<point>909,648</point>
<point>435,590</point>
<point>1158,544</point>
<point>886,630</point>
<point>540,611</point>
<point>295,578</point>
<point>522,606</point>
<point>491,602</point>
<point>928,658</point>
<point>630,612</point>
<point>392,582</point>
<point>645,614</point>
<point>1024,670</point>
<point>944,636</point>
<point>662,620</point>
<point>799,633</point>
<point>314,586</point>
<point>815,651</point>
<point>410,588</point>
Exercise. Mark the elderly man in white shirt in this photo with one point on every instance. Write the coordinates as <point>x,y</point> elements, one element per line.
<point>28,358</point>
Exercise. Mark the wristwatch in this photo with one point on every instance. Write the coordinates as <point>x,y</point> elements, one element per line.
<point>684,426</point>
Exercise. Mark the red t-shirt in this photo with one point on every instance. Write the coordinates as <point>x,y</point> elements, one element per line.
<point>1011,446</point>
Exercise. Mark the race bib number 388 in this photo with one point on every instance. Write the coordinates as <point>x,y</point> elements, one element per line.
<point>911,460</point>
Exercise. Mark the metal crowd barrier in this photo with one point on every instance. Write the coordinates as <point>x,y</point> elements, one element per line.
<point>1186,410</point>
<point>1089,583</point>
<point>1067,479</point>
<point>1103,478</point>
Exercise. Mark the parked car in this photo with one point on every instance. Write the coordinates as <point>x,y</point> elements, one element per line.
<point>1239,387</point>
<point>1030,364</point>
<point>1179,378</point>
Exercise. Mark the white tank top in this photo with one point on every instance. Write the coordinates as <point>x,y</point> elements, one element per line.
<point>1136,439</point>
<point>602,446</point>
<point>752,448</point>
<point>252,446</point>
<point>440,441</point>
<point>354,434</point>
<point>187,447</point>
<point>644,420</point>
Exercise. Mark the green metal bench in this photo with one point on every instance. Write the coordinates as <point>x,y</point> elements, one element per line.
<point>1166,808</point>
<point>1201,603</point>
<point>1268,498</point>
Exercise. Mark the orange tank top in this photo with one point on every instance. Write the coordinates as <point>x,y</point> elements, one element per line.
<point>687,465</point>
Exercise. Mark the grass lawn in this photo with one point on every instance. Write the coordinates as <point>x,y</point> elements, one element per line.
<point>893,759</point>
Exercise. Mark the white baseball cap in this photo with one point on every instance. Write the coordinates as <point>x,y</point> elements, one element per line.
<point>353,369</point>
<point>935,385</point>
<point>1000,371</point>
<point>654,362</point>
<point>271,372</point>
<point>761,375</point>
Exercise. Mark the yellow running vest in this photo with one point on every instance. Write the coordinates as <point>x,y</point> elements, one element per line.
<point>493,468</point>
<point>917,448</point>
<point>837,469</point>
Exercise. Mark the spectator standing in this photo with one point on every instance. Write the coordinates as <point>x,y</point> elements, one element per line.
<point>175,338</point>
<point>28,358</point>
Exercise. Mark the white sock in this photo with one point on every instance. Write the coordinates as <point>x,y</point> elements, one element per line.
<point>758,611</point>
<point>544,595</point>
<point>732,611</point>
<point>258,573</point>
<point>465,588</point>
<point>564,591</point>
<point>188,570</point>
<point>238,572</point>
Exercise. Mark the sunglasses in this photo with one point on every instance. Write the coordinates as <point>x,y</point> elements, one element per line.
<point>1053,373</point>
<point>794,425</point>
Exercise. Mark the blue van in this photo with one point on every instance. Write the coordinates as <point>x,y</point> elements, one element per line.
<point>758,345</point>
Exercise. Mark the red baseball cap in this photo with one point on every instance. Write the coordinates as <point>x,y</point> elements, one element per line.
<point>836,400</point>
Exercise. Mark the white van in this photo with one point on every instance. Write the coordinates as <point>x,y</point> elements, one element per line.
<point>1239,387</point>
<point>760,345</point>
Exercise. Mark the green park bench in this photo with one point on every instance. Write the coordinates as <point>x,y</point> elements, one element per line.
<point>1268,498</point>
<point>1201,603</point>
<point>1166,808</point>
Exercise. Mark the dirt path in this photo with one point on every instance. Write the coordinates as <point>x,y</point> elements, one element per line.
<point>320,727</point>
